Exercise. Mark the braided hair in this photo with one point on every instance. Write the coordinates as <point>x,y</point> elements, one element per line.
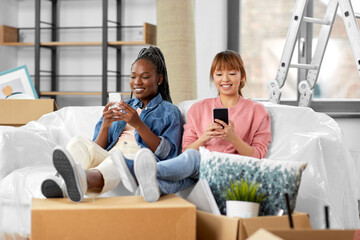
<point>155,56</point>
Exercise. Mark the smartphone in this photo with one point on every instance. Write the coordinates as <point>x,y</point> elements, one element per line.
<point>221,114</point>
<point>114,97</point>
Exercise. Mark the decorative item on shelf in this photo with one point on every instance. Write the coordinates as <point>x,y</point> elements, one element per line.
<point>146,35</point>
<point>16,84</point>
<point>243,199</point>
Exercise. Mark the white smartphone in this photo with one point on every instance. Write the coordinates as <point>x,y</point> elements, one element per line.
<point>114,97</point>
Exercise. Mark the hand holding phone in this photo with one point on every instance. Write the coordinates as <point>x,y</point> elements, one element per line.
<point>114,97</point>
<point>221,114</point>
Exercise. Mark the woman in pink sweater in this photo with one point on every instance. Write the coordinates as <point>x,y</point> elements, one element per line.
<point>248,133</point>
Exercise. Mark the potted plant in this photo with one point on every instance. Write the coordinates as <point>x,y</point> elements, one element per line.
<point>243,199</point>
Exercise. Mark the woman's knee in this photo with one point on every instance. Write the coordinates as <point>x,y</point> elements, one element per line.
<point>75,141</point>
<point>192,157</point>
<point>192,153</point>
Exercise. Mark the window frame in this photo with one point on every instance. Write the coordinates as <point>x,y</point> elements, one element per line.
<point>341,108</point>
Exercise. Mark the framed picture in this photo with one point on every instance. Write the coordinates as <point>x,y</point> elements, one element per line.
<point>16,83</point>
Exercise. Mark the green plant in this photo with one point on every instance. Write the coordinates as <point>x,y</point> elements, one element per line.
<point>245,191</point>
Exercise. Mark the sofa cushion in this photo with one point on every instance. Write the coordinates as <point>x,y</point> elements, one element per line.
<point>275,178</point>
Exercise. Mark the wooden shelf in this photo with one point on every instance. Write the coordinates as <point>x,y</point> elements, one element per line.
<point>75,93</point>
<point>10,36</point>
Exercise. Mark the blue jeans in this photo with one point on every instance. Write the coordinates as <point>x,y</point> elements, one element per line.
<point>177,173</point>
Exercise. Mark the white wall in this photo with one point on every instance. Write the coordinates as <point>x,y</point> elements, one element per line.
<point>8,16</point>
<point>211,38</point>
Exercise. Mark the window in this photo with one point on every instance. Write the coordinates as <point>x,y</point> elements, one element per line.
<point>264,27</point>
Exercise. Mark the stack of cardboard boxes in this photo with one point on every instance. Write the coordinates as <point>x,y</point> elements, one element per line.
<point>171,217</point>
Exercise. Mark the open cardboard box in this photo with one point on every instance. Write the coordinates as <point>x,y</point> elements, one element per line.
<point>131,217</point>
<point>300,234</point>
<point>212,227</point>
<point>18,112</point>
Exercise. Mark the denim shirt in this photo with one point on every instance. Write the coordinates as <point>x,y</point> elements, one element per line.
<point>164,120</point>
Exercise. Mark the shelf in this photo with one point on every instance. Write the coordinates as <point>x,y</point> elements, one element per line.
<point>40,37</point>
<point>75,93</point>
<point>10,36</point>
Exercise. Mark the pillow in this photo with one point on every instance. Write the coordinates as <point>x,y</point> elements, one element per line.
<point>275,178</point>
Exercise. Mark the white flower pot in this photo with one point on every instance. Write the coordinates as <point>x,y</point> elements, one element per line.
<point>242,209</point>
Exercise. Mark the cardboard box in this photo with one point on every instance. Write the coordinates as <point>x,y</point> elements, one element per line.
<point>113,218</point>
<point>18,112</point>
<point>214,227</point>
<point>296,234</point>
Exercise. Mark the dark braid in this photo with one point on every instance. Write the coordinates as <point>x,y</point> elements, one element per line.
<point>154,55</point>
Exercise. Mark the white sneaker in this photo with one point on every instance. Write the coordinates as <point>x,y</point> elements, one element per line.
<point>145,167</point>
<point>126,177</point>
<point>53,187</point>
<point>72,173</point>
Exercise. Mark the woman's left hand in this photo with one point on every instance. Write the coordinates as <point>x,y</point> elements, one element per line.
<point>129,115</point>
<point>229,131</point>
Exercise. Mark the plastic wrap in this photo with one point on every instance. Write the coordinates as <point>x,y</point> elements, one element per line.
<point>17,189</point>
<point>32,144</point>
<point>330,178</point>
<point>25,161</point>
<point>299,134</point>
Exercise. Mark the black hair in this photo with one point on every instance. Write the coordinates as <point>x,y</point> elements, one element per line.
<point>155,56</point>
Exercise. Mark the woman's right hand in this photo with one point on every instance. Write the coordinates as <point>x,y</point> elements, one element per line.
<point>110,115</point>
<point>213,130</point>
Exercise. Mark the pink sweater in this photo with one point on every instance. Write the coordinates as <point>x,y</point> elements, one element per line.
<point>251,121</point>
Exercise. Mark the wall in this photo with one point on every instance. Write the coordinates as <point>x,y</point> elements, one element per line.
<point>8,16</point>
<point>210,31</point>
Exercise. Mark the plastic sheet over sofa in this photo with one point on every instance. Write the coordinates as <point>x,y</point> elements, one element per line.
<point>299,134</point>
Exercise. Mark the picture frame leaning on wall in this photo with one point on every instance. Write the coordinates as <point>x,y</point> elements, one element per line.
<point>16,84</point>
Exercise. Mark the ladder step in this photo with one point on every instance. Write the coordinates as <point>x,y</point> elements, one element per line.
<point>304,66</point>
<point>357,15</point>
<point>316,20</point>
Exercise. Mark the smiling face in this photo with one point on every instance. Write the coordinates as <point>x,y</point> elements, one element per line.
<point>228,73</point>
<point>144,80</point>
<point>227,82</point>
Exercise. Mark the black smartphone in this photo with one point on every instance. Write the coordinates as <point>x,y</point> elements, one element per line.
<point>221,114</point>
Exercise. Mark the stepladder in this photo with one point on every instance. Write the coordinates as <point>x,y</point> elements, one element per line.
<point>306,86</point>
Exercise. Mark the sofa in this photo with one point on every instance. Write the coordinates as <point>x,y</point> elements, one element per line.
<point>299,134</point>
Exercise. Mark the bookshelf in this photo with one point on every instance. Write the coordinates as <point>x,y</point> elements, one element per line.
<point>10,36</point>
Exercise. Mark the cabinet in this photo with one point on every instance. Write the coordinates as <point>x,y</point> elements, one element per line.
<point>10,36</point>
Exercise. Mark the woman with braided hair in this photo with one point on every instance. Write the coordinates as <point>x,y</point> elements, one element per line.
<point>148,120</point>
